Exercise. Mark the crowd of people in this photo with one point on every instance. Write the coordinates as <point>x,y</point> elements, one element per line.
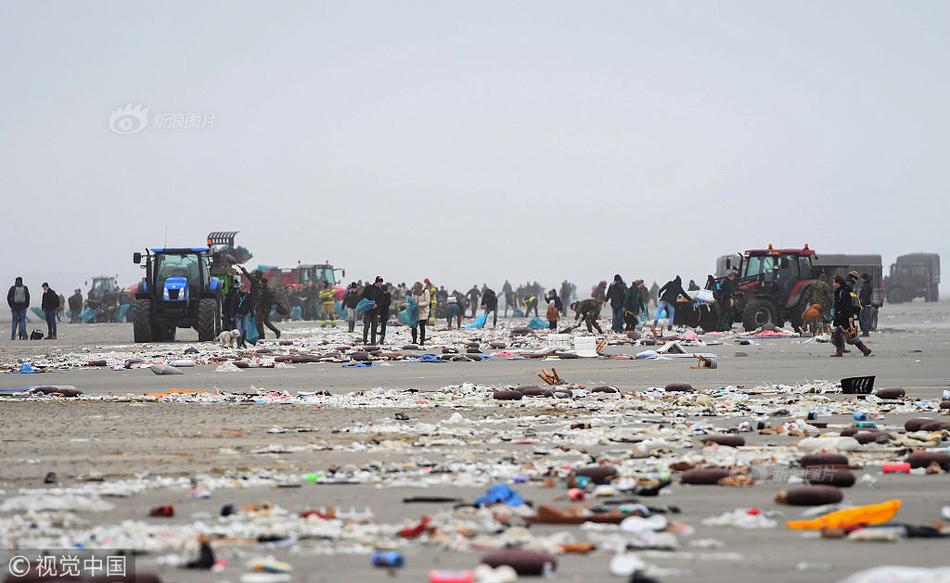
<point>252,303</point>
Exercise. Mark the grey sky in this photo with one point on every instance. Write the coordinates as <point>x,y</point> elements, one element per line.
<point>470,142</point>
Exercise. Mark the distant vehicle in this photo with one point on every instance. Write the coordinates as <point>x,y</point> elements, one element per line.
<point>103,298</point>
<point>912,276</point>
<point>303,274</point>
<point>771,285</point>
<point>178,292</point>
<point>837,264</point>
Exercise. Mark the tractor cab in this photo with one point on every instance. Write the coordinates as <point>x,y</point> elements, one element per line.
<point>771,287</point>
<point>178,291</point>
<point>318,274</point>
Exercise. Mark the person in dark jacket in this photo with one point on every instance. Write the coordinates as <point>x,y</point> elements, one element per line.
<point>350,299</point>
<point>844,319</point>
<point>262,308</point>
<point>238,307</point>
<point>75,306</point>
<point>371,316</point>
<point>615,296</point>
<point>473,296</point>
<point>18,298</point>
<point>866,308</point>
<point>383,304</point>
<point>588,311</point>
<point>490,304</point>
<point>50,305</point>
<point>633,304</point>
<point>726,300</point>
<point>668,295</point>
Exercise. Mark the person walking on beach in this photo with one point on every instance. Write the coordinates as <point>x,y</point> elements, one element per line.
<point>383,304</point>
<point>18,298</point>
<point>371,315</point>
<point>75,306</point>
<point>615,296</point>
<point>50,305</point>
<point>473,296</point>
<point>422,298</point>
<point>844,328</point>
<point>350,299</point>
<point>490,304</point>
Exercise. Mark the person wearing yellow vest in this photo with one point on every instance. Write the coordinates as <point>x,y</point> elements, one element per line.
<point>328,305</point>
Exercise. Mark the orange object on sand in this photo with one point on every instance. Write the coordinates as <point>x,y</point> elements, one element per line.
<point>868,514</point>
<point>177,392</point>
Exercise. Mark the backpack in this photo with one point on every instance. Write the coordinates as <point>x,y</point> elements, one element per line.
<point>19,294</point>
<point>36,335</point>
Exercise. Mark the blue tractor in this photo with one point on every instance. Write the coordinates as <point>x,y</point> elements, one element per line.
<point>178,291</point>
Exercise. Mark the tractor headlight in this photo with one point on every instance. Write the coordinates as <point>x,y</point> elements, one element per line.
<point>165,294</point>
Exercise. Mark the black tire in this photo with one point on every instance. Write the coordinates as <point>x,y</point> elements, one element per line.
<point>142,321</point>
<point>757,313</point>
<point>873,318</point>
<point>207,309</point>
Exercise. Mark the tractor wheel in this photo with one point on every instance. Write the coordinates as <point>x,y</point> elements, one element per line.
<point>757,313</point>
<point>207,308</point>
<point>142,320</point>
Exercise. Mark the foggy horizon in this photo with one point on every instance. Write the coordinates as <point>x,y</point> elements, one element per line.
<point>537,141</point>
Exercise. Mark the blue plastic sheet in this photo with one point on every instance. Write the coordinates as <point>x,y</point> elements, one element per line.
<point>429,358</point>
<point>252,336</point>
<point>410,315</point>
<point>340,312</point>
<point>124,312</point>
<point>478,322</point>
<point>537,323</point>
<point>296,314</point>
<point>87,315</point>
<point>517,313</point>
<point>500,494</point>
<point>39,313</point>
<point>364,305</point>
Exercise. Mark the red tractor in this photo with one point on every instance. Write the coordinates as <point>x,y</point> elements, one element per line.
<point>772,285</point>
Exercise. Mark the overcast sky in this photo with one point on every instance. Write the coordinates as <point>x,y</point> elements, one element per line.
<point>472,142</point>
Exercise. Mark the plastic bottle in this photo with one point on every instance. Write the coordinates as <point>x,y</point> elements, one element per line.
<point>896,468</point>
<point>387,559</point>
<point>862,416</point>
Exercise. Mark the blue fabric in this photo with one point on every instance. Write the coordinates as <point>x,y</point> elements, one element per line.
<point>429,358</point>
<point>537,323</point>
<point>124,312</point>
<point>39,313</point>
<point>517,313</point>
<point>500,494</point>
<point>358,365</point>
<point>410,315</point>
<point>87,315</point>
<point>296,314</point>
<point>364,305</point>
<point>479,322</point>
